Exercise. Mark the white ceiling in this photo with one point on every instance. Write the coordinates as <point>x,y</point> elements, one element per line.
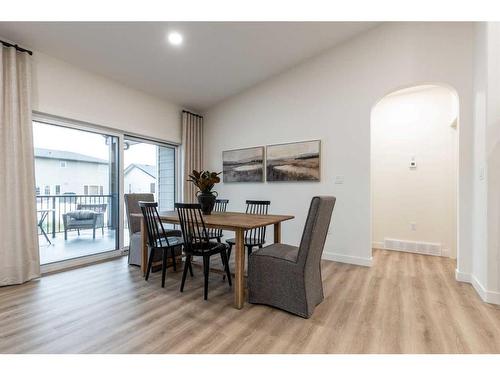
<point>216,60</point>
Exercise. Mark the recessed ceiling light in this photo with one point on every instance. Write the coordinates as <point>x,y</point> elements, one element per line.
<point>175,38</point>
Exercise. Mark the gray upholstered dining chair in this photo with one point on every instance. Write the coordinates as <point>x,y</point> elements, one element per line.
<point>134,226</point>
<point>289,277</point>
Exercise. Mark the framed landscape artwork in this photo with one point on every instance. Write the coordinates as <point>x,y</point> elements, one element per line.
<point>243,165</point>
<point>299,161</point>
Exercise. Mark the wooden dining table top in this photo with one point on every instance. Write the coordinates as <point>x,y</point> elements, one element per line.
<point>228,220</point>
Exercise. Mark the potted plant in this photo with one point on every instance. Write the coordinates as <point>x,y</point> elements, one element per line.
<point>205,182</point>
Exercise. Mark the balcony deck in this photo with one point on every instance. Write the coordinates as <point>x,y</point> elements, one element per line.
<point>76,245</point>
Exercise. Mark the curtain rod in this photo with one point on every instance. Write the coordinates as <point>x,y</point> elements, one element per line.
<point>191,113</point>
<point>7,44</point>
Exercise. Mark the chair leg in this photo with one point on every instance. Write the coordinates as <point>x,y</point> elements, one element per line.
<point>206,269</point>
<point>225,262</point>
<point>93,234</point>
<point>150,263</point>
<point>228,257</point>
<point>191,269</point>
<point>65,235</point>
<point>172,253</point>
<point>249,250</point>
<point>229,251</point>
<point>187,265</point>
<point>78,230</point>
<point>164,267</point>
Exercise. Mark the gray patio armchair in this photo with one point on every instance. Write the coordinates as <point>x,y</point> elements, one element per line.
<point>86,216</point>
<point>289,277</point>
<point>134,227</point>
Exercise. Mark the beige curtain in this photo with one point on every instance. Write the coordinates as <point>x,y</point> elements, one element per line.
<point>19,257</point>
<point>192,146</point>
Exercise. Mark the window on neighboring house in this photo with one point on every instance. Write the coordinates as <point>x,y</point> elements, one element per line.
<point>86,189</point>
<point>93,189</point>
<point>63,164</point>
<point>129,188</point>
<point>101,190</point>
<point>58,189</point>
<point>47,190</point>
<point>152,187</point>
<point>37,190</point>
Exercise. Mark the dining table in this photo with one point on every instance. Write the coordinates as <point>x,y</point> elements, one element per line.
<point>236,222</point>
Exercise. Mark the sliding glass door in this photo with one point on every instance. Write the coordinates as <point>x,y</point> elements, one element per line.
<point>77,179</point>
<point>149,167</point>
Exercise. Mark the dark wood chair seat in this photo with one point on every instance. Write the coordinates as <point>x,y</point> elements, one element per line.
<point>169,241</point>
<point>208,248</point>
<point>248,242</point>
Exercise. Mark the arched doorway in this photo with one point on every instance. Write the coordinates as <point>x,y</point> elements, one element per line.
<point>414,170</point>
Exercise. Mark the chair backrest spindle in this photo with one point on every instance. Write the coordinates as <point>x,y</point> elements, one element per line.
<point>220,206</point>
<point>154,226</point>
<point>256,207</point>
<point>192,224</point>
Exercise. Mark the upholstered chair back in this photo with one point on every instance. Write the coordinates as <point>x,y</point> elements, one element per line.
<point>132,207</point>
<point>315,232</point>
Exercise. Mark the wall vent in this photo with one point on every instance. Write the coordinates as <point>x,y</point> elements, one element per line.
<point>428,248</point>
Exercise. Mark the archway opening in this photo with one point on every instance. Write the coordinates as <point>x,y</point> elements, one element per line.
<point>414,171</point>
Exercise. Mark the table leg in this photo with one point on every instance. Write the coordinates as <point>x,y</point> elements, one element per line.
<point>239,273</point>
<point>277,232</point>
<point>144,247</point>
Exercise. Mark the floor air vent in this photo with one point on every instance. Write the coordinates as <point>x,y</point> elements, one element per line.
<point>412,246</point>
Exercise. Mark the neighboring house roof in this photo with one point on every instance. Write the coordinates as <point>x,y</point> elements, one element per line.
<point>44,153</point>
<point>146,168</point>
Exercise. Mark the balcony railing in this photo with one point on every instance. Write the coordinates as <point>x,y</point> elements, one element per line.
<point>61,204</point>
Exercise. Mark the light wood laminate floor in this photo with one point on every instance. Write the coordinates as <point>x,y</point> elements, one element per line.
<point>405,303</point>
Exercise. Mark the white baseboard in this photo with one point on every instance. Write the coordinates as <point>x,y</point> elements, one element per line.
<point>359,261</point>
<point>487,296</point>
<point>462,276</point>
<point>380,245</point>
<point>446,253</point>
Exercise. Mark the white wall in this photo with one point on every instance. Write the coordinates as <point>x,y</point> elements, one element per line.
<point>480,197</point>
<point>330,98</point>
<point>415,123</point>
<point>492,156</point>
<point>64,90</point>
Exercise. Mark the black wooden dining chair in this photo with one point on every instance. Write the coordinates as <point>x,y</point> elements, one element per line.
<point>220,206</point>
<point>158,241</point>
<point>197,243</point>
<point>254,237</point>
